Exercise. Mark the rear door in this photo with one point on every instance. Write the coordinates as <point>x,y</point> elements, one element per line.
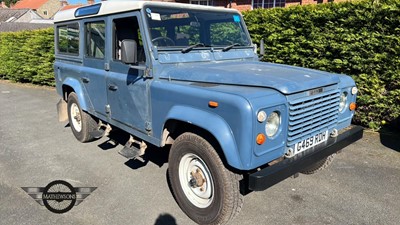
<point>93,75</point>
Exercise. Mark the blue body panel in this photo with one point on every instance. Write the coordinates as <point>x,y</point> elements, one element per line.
<point>344,120</point>
<point>68,75</point>
<point>285,79</point>
<point>189,103</point>
<point>231,123</point>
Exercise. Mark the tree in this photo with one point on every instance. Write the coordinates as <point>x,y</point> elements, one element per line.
<point>9,2</point>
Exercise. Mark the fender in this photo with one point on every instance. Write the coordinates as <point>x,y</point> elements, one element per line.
<point>79,91</point>
<point>212,123</point>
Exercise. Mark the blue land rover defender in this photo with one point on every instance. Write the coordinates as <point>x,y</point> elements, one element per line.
<point>188,77</point>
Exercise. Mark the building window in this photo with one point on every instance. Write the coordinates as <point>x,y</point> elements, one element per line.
<point>200,2</point>
<point>267,3</point>
<point>95,39</point>
<point>45,13</point>
<point>68,39</point>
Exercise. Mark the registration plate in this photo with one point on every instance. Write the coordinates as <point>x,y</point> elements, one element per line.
<point>310,142</point>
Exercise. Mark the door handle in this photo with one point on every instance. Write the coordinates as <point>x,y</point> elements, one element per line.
<point>85,80</point>
<point>112,87</point>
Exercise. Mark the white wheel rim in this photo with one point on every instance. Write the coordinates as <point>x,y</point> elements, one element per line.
<point>76,117</point>
<point>202,194</point>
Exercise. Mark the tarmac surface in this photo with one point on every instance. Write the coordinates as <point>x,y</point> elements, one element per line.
<point>362,186</point>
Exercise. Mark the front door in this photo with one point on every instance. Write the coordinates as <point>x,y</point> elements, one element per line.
<point>128,90</point>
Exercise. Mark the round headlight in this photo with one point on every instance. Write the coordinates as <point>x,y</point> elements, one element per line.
<point>273,123</point>
<point>343,100</point>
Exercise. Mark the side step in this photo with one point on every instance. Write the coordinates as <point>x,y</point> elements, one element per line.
<point>102,130</point>
<point>97,133</point>
<point>131,152</point>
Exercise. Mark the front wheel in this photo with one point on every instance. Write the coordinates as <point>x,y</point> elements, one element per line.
<point>204,189</point>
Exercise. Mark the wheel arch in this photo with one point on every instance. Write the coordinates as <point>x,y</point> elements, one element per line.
<point>210,126</point>
<point>73,85</point>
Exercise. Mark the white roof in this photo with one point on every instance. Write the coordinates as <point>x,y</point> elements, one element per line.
<point>111,7</point>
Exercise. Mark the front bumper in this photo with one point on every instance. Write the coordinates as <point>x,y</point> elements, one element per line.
<point>274,174</point>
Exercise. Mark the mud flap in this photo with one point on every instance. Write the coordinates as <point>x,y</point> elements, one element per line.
<point>62,110</point>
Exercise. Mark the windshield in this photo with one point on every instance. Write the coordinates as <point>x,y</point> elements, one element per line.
<point>183,28</point>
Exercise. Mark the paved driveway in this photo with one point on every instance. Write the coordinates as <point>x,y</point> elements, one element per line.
<point>361,187</point>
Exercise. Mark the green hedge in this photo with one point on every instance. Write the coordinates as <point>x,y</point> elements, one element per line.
<point>27,56</point>
<point>361,39</point>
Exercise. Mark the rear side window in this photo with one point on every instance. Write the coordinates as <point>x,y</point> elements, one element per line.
<point>68,39</point>
<point>95,39</point>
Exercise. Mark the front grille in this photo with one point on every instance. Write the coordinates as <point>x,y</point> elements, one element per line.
<point>311,114</point>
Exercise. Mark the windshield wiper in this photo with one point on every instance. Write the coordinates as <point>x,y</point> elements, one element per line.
<point>190,48</point>
<point>227,48</point>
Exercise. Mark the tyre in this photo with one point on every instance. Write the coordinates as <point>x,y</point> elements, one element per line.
<point>320,165</point>
<point>81,123</point>
<point>202,186</point>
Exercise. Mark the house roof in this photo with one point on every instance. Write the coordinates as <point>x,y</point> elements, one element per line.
<point>6,14</point>
<point>70,7</point>
<point>29,4</point>
<point>12,27</point>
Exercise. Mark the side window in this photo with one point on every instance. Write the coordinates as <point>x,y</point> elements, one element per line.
<point>95,39</point>
<point>68,39</point>
<point>128,29</point>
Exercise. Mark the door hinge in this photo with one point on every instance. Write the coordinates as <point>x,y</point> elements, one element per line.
<point>106,66</point>
<point>148,125</point>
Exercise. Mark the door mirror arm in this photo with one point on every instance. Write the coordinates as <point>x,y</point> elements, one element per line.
<point>146,70</point>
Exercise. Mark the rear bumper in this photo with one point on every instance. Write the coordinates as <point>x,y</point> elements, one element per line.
<point>269,176</point>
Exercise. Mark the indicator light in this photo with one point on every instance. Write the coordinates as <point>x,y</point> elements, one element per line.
<point>213,104</point>
<point>260,139</point>
<point>352,106</point>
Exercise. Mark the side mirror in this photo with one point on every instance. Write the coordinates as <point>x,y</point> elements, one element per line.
<point>129,51</point>
<point>262,47</point>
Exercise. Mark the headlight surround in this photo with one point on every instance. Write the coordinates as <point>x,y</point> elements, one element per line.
<point>273,124</point>
<point>343,101</point>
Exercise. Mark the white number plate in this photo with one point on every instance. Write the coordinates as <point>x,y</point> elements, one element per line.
<point>310,142</point>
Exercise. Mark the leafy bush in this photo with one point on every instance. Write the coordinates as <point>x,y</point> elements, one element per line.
<point>28,56</point>
<point>361,39</point>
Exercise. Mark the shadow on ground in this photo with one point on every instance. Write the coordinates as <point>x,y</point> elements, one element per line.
<point>165,219</point>
<point>390,135</point>
<point>390,139</point>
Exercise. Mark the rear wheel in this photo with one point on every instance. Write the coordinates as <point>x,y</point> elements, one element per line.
<point>204,189</point>
<point>320,165</point>
<point>81,122</point>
